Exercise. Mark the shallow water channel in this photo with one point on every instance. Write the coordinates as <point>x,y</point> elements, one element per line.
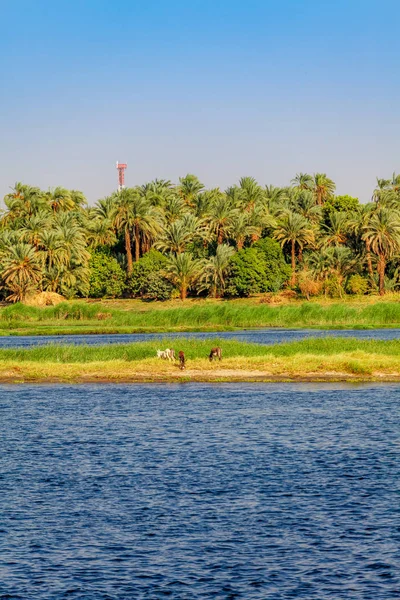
<point>190,491</point>
<point>257,336</point>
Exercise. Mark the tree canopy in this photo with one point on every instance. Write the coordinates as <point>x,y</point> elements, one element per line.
<point>162,239</point>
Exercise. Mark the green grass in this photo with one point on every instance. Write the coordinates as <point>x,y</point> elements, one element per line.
<point>195,349</point>
<point>82,317</point>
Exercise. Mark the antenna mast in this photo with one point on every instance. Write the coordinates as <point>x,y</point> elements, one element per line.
<point>121,175</point>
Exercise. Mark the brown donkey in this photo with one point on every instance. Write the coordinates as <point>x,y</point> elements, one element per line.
<point>215,353</point>
<point>181,356</point>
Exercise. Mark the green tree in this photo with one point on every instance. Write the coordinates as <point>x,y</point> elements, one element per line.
<point>107,279</point>
<point>383,235</point>
<point>21,271</point>
<point>324,188</point>
<point>293,229</point>
<point>148,280</point>
<point>216,270</point>
<point>183,271</point>
<point>302,181</point>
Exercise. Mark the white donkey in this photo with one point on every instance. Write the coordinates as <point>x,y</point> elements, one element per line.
<point>167,354</point>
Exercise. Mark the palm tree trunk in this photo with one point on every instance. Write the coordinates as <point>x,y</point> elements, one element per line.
<point>293,278</point>
<point>369,261</point>
<point>239,244</point>
<point>137,243</point>
<point>220,236</point>
<point>128,251</point>
<point>183,291</point>
<point>381,271</point>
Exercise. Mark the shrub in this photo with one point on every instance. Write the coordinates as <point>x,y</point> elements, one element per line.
<point>357,285</point>
<point>147,279</point>
<point>333,287</point>
<point>307,285</point>
<point>261,268</point>
<point>277,271</point>
<point>107,279</point>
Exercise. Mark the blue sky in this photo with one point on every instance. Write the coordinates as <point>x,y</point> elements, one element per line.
<point>220,88</point>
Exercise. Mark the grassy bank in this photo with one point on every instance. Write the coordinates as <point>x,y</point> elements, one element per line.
<point>310,360</point>
<point>87,318</point>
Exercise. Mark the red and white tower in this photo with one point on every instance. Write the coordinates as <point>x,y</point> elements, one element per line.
<point>121,175</point>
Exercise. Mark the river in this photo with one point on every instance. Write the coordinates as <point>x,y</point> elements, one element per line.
<point>253,491</point>
<point>257,336</point>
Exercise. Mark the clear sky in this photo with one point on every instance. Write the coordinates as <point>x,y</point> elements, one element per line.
<point>219,88</point>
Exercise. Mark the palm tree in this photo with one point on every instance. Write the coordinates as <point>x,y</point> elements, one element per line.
<point>189,187</point>
<point>293,229</point>
<point>250,193</point>
<point>21,271</point>
<point>34,227</point>
<point>157,192</point>
<point>146,221</point>
<point>216,269</point>
<point>381,188</point>
<point>175,238</point>
<point>335,232</point>
<point>23,201</point>
<point>51,249</point>
<point>303,202</point>
<point>302,181</point>
<point>105,207</point>
<point>60,200</point>
<point>241,228</point>
<point>395,183</point>
<point>383,235</point>
<point>337,261</point>
<point>183,271</point>
<point>123,221</point>
<point>100,233</point>
<point>174,208</point>
<point>358,224</point>
<point>324,188</point>
<point>219,218</point>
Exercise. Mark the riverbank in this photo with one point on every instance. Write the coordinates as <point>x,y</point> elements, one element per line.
<point>326,359</point>
<point>117,317</point>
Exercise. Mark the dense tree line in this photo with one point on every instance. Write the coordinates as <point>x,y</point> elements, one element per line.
<point>161,239</point>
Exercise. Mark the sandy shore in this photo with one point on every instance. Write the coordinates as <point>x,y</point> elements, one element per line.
<point>128,373</point>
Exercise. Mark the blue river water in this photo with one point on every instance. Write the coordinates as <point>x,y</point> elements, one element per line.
<point>258,336</point>
<point>192,491</point>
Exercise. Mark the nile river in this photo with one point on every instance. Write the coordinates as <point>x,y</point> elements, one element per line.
<point>255,336</point>
<point>192,491</point>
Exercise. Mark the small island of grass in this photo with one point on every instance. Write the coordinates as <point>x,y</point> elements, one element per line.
<point>325,359</point>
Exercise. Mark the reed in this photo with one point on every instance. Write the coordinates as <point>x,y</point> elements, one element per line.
<point>81,317</point>
<point>198,349</point>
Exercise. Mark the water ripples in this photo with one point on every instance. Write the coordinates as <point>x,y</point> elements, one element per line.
<point>200,491</point>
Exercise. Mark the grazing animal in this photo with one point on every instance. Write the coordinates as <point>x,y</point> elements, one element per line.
<point>215,353</point>
<point>181,360</point>
<point>167,354</point>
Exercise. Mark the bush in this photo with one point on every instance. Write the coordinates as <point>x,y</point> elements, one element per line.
<point>307,285</point>
<point>340,204</point>
<point>333,287</point>
<point>357,285</point>
<point>147,280</point>
<point>107,279</point>
<point>277,271</point>
<point>261,268</point>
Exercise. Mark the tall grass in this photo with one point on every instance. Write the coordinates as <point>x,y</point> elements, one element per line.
<point>211,317</point>
<point>195,349</point>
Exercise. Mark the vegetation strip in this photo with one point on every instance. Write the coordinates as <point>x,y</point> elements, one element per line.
<point>83,318</point>
<point>161,240</point>
<point>312,359</point>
